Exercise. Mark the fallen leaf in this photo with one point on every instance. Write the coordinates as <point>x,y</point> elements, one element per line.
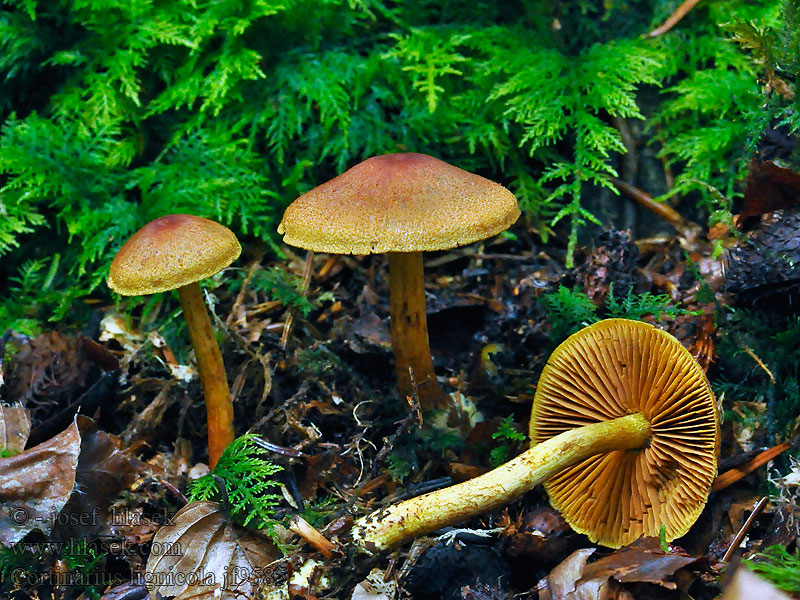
<point>202,554</point>
<point>565,581</point>
<point>562,580</point>
<point>15,427</point>
<point>769,188</point>
<point>304,580</point>
<point>36,484</point>
<point>612,261</point>
<point>103,472</point>
<point>642,561</point>
<point>366,334</point>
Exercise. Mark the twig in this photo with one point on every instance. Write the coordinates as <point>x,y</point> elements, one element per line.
<point>221,488</point>
<point>759,362</point>
<point>303,290</point>
<point>282,450</point>
<point>237,304</point>
<point>673,19</point>
<point>310,534</point>
<point>745,528</point>
<point>418,489</point>
<point>733,475</point>
<point>264,307</point>
<point>174,491</point>
<point>686,229</point>
<point>418,547</point>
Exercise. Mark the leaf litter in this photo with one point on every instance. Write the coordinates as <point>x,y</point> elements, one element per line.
<point>316,383</point>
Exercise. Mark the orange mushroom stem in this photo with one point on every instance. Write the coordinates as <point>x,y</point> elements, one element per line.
<point>412,354</point>
<point>402,204</point>
<point>174,252</point>
<point>219,408</point>
<point>625,437</point>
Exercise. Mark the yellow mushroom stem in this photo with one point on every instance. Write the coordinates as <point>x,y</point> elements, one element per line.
<point>410,330</point>
<point>421,515</point>
<point>219,406</point>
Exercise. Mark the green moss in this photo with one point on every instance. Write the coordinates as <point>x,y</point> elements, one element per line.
<point>779,566</point>
<point>570,310</point>
<point>776,342</point>
<point>115,113</point>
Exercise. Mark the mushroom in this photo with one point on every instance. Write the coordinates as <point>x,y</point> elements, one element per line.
<point>174,252</point>
<point>625,436</point>
<point>401,204</point>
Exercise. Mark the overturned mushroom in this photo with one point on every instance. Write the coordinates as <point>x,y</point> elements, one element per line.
<point>625,437</point>
<point>174,252</point>
<point>401,204</point>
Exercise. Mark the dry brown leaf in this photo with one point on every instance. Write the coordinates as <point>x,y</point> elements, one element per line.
<point>769,188</point>
<point>642,561</point>
<point>565,581</point>
<point>36,484</point>
<point>15,427</point>
<point>104,470</point>
<point>561,581</point>
<point>202,554</point>
<point>367,333</point>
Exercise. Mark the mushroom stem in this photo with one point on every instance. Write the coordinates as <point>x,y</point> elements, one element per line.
<point>410,330</point>
<point>219,407</point>
<point>424,514</point>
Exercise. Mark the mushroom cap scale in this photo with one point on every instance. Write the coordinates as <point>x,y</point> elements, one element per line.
<point>170,252</point>
<point>402,202</point>
<point>608,370</point>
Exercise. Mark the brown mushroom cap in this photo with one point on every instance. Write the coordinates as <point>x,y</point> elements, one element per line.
<point>398,203</point>
<point>170,252</point>
<point>614,368</point>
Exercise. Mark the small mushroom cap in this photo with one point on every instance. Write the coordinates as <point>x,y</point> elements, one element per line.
<point>170,252</point>
<point>398,203</point>
<point>611,369</point>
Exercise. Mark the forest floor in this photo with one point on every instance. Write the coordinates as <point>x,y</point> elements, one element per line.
<point>311,373</point>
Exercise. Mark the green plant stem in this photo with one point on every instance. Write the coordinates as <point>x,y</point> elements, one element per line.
<point>219,406</point>
<point>410,330</point>
<point>424,514</point>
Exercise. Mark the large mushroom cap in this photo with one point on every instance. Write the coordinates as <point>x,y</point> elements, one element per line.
<point>611,369</point>
<point>398,203</point>
<point>170,252</point>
